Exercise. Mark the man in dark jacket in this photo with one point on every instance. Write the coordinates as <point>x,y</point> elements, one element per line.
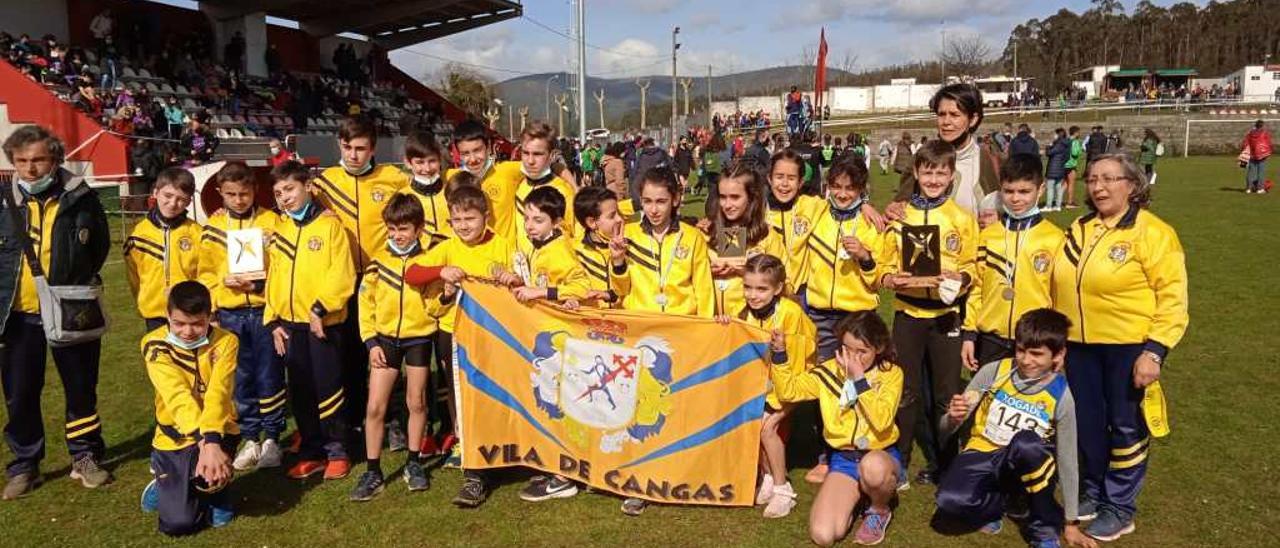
<point>72,244</point>
<point>1095,144</point>
<point>649,156</point>
<point>1024,143</point>
<point>758,152</point>
<point>812,156</point>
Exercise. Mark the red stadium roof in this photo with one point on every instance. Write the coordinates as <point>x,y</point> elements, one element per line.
<point>391,24</point>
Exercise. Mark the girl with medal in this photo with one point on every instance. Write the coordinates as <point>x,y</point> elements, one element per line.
<point>858,393</point>
<point>1012,275</point>
<point>766,306</point>
<point>668,261</point>
<point>739,230</point>
<point>843,250</point>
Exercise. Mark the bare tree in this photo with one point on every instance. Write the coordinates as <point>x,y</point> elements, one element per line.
<point>966,55</point>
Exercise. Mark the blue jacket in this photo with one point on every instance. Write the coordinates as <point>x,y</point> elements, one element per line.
<point>1024,143</point>
<point>1059,152</point>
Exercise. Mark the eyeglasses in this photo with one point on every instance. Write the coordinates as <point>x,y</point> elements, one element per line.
<point>1108,181</point>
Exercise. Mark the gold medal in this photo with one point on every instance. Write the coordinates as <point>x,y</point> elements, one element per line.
<point>661,300</point>
<point>862,443</point>
<point>1007,294</point>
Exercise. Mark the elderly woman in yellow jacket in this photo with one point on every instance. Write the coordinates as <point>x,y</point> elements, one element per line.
<point>1122,280</point>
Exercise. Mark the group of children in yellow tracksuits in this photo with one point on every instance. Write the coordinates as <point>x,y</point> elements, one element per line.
<point>365,250</point>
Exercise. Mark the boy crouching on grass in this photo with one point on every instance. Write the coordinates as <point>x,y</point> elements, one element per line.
<point>192,366</point>
<point>1022,442</point>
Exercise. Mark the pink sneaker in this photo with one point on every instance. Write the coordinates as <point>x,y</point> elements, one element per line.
<point>874,525</point>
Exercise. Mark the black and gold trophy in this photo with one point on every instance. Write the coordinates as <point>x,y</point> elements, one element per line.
<point>921,254</point>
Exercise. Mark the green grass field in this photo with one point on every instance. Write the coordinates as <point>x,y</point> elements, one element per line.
<point>1211,482</point>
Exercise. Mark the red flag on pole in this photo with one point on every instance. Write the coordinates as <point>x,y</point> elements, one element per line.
<point>820,74</point>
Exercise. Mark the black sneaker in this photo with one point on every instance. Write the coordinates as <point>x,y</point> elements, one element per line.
<point>472,493</point>
<point>634,507</point>
<point>554,487</point>
<point>397,440</point>
<point>369,485</point>
<point>416,476</point>
<point>927,477</point>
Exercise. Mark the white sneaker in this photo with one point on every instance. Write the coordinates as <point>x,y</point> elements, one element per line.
<point>247,457</point>
<point>784,499</point>
<point>765,493</point>
<point>269,457</point>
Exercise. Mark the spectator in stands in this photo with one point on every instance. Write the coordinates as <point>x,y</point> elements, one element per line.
<point>1257,143</point>
<point>67,215</point>
<point>233,53</point>
<point>1024,142</point>
<point>101,28</point>
<point>174,118</point>
<point>279,154</point>
<point>199,141</point>
<point>272,59</point>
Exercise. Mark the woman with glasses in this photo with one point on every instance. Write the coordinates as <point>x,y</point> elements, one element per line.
<point>1122,280</point>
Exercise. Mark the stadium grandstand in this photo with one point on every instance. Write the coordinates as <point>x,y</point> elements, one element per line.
<point>121,80</point>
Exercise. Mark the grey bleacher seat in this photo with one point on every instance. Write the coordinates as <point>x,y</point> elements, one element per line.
<point>151,87</point>
<point>188,104</point>
<point>223,119</point>
<point>91,57</point>
<point>222,134</point>
<point>166,88</point>
<point>145,74</point>
<point>235,133</point>
<point>128,73</point>
<point>180,89</point>
<point>239,119</point>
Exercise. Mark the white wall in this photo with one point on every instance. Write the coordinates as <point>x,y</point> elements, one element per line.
<point>848,100</point>
<point>1256,82</point>
<point>36,18</point>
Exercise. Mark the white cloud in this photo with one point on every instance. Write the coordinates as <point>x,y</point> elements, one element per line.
<point>653,6</point>
<point>896,11</point>
<point>704,19</point>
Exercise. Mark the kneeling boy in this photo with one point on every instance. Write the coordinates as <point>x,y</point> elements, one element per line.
<point>1023,440</point>
<point>192,366</point>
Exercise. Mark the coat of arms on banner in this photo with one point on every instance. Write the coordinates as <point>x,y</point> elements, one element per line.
<point>599,384</point>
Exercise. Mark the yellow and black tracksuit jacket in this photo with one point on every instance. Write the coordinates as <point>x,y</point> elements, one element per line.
<point>671,275</point>
<point>728,290</point>
<point>158,254</point>
<point>499,184</point>
<point>567,225</point>
<point>553,265</point>
<point>392,309</point>
<point>787,316</point>
<point>434,209</point>
<point>193,388</point>
<point>213,256</point>
<point>595,259</point>
<point>358,201</point>
<point>309,269</point>
<point>487,259</point>
<point>1124,284</point>
<point>40,216</point>
<point>1017,252</point>
<point>793,222</point>
<point>958,231</point>
<point>836,280</point>
<point>870,419</point>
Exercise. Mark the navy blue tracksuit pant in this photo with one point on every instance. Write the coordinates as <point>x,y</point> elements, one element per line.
<point>22,369</point>
<point>1113,433</point>
<point>259,387</point>
<point>183,509</point>
<point>975,485</point>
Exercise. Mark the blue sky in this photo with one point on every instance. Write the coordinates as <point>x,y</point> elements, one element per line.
<point>731,35</point>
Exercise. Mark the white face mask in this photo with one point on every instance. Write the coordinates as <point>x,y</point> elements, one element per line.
<point>37,186</point>
<point>484,169</point>
<point>400,251</point>
<point>357,172</point>
<point>427,181</point>
<point>275,151</point>
<point>179,342</point>
<point>1030,212</point>
<point>545,172</point>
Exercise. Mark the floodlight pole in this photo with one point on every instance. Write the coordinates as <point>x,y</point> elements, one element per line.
<point>582,70</point>
<point>675,46</point>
